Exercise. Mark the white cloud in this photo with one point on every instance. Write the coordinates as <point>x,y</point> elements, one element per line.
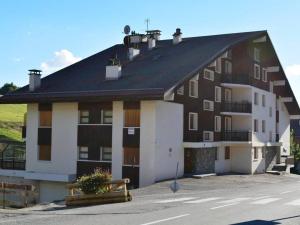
<point>61,59</point>
<point>293,70</point>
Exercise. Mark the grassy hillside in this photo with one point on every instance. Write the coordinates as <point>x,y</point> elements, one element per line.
<point>11,120</point>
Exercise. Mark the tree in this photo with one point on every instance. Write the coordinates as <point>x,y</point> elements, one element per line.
<point>8,87</point>
<point>295,148</point>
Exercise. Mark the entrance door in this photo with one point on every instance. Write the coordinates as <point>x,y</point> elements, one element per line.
<point>228,95</point>
<point>188,161</point>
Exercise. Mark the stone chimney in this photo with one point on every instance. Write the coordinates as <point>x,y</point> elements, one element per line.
<point>151,42</point>
<point>113,69</point>
<point>177,36</point>
<point>132,53</point>
<point>34,79</point>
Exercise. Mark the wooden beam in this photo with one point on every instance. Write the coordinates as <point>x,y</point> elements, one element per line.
<point>272,69</point>
<point>260,40</point>
<point>279,83</point>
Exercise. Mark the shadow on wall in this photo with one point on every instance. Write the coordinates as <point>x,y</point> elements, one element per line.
<point>265,222</point>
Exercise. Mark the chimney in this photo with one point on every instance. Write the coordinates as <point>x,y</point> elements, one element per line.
<point>34,79</point>
<point>151,42</point>
<point>113,69</point>
<point>177,36</point>
<point>132,53</point>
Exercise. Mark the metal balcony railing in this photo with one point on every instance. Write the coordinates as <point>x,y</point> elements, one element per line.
<point>12,164</point>
<point>236,79</point>
<point>236,136</point>
<point>12,155</point>
<point>241,107</point>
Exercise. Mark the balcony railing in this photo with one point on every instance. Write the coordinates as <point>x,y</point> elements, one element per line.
<point>236,136</point>
<point>12,164</point>
<point>236,79</point>
<point>12,155</point>
<point>240,107</point>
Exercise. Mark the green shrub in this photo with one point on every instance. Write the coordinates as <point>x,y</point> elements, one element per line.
<point>94,183</point>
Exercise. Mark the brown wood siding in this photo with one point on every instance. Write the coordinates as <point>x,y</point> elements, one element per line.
<point>100,135</point>
<point>44,136</point>
<point>132,118</point>
<point>45,107</point>
<point>132,105</point>
<point>131,140</point>
<point>94,110</point>
<point>133,174</point>
<point>86,167</point>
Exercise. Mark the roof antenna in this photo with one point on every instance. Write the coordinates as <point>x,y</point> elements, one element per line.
<point>147,21</point>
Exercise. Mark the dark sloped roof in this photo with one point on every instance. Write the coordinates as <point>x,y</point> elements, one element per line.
<point>149,75</point>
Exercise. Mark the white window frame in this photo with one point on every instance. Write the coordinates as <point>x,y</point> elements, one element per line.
<point>210,135</point>
<point>263,100</point>
<point>211,76</point>
<point>218,124</point>
<point>195,115</point>
<point>256,76</point>
<point>218,94</point>
<point>227,67</point>
<point>255,125</point>
<point>256,98</point>
<point>256,54</point>
<point>211,105</point>
<point>83,152</point>
<point>195,83</point>
<point>101,156</point>
<point>264,75</point>
<point>180,91</point>
<point>218,67</point>
<point>263,126</point>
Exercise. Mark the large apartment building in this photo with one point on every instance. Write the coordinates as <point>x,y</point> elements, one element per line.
<point>213,104</point>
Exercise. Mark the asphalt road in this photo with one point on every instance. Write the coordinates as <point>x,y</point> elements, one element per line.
<point>234,199</point>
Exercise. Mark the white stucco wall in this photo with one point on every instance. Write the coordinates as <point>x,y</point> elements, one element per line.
<point>241,159</point>
<point>169,139</point>
<point>262,113</point>
<point>64,140</point>
<point>51,191</point>
<point>242,123</point>
<point>117,139</point>
<point>241,94</point>
<point>161,130</point>
<point>284,128</point>
<point>222,165</point>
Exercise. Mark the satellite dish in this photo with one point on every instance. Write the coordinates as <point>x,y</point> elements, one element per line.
<point>127,29</point>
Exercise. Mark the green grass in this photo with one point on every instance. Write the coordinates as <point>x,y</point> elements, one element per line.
<point>12,113</point>
<point>11,120</point>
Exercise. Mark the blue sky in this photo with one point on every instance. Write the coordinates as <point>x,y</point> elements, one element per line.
<point>54,33</point>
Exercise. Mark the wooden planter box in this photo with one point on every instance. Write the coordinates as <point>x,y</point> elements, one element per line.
<point>118,193</point>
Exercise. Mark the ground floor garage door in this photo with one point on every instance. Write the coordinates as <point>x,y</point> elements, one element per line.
<point>199,160</point>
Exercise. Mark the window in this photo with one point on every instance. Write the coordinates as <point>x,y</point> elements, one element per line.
<point>44,152</point>
<point>227,95</point>
<point>255,98</point>
<point>131,156</point>
<point>208,74</point>
<point>270,112</point>
<point>105,154</point>
<point>218,65</point>
<point>84,116</point>
<point>217,123</point>
<point>193,90</point>
<point>270,136</point>
<point>216,154</point>
<point>255,125</point>
<point>263,100</point>
<point>228,67</point>
<point>256,54</point>
<point>218,93</point>
<point>132,118</point>
<point>208,105</point>
<point>255,149</point>
<point>193,121</point>
<point>256,71</point>
<point>106,116</point>
<point>227,152</point>
<point>83,153</point>
<point>263,126</point>
<point>264,75</point>
<point>208,136</point>
<point>180,91</point>
<point>45,118</point>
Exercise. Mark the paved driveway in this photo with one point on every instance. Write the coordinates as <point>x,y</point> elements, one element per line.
<point>233,199</point>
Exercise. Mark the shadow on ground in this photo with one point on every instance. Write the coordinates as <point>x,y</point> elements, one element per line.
<point>265,222</point>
